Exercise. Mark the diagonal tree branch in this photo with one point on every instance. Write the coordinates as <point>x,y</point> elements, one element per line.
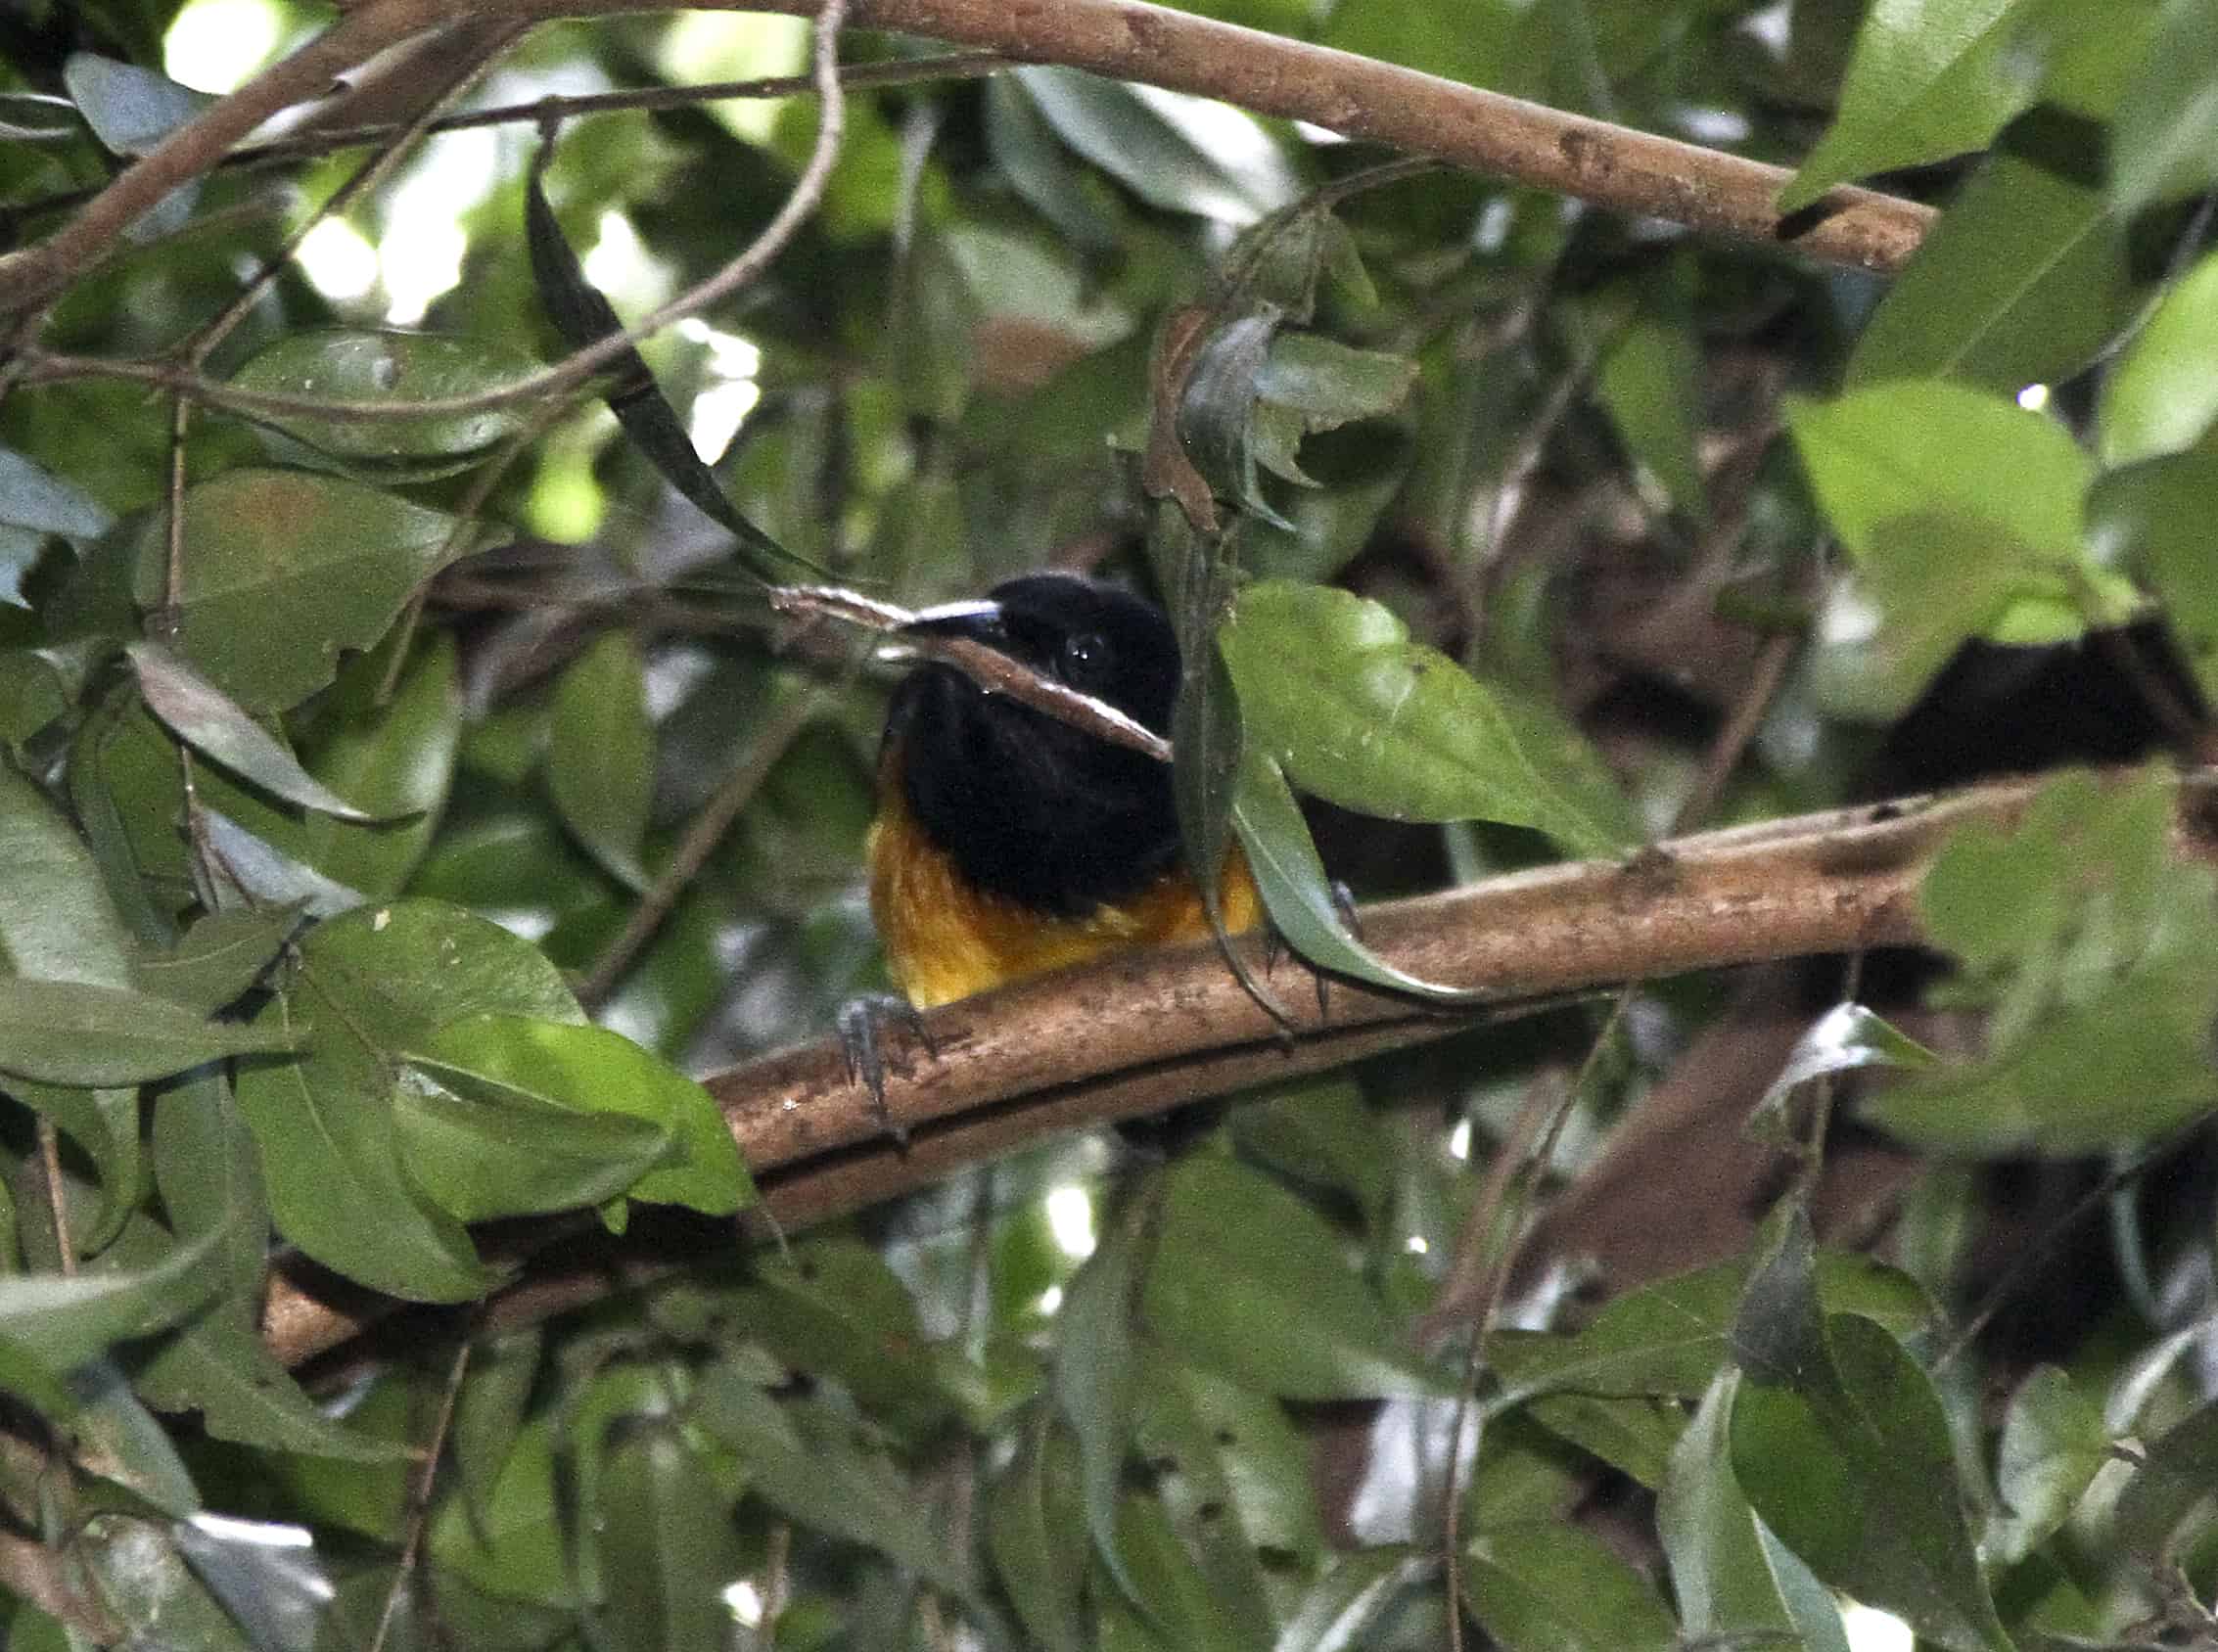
<point>1593,161</point>
<point>1145,1032</point>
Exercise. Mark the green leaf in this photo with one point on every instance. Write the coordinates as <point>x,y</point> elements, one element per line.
<point>669,1548</point>
<point>1182,1610</point>
<point>218,1364</point>
<point>1326,384</point>
<point>2054,1441</point>
<point>1095,1374</point>
<point>55,919</point>
<point>2155,519</point>
<point>1930,78</point>
<point>1025,151</point>
<point>489,1414</point>
<point>130,109</point>
<point>1247,1279</point>
<point>583,318</point>
<point>395,370</point>
<point>601,767</point>
<point>1845,1038</point>
<point>1149,141</point>
<point>2164,140</point>
<point>2023,279</point>
<point>483,1150</point>
<point>51,1324</point>
<point>325,1125</point>
<point>822,1471</point>
<point>835,1308</point>
<point>1633,1434</point>
<point>68,1033</point>
<point>1650,379</point>
<point>2153,401</point>
<point>1035,1532</point>
<point>2179,1467</point>
<point>1332,689</point>
<point>2096,949</point>
<point>200,714</point>
<point>218,959</point>
<point>1338,1612</point>
<point>30,497</point>
<point>105,1124</point>
<point>1557,1588</point>
<point>394,757</point>
<point>283,569</point>
<point>1731,1577</point>
<point>1670,1338</point>
<point>1842,1449</point>
<point>526,1065</point>
<point>1930,448</point>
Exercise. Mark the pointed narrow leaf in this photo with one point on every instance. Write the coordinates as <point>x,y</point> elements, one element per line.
<point>583,317</point>
<point>32,498</point>
<point>200,714</point>
<point>1930,78</point>
<point>67,1033</point>
<point>601,767</point>
<point>1296,891</point>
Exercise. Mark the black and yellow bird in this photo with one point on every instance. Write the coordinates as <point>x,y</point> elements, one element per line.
<point>1008,843</point>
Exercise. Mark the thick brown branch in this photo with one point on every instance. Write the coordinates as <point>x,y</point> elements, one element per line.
<point>31,277</point>
<point>1148,1031</point>
<point>1504,137</point>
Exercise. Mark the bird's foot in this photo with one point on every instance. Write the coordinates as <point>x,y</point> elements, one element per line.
<point>861,1023</point>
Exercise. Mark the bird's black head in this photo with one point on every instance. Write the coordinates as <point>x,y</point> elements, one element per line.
<point>1028,808</point>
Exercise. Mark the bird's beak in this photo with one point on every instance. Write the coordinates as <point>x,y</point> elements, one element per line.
<point>977,618</point>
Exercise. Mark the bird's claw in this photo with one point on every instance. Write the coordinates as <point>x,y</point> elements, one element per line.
<point>860,1022</point>
<point>1275,946</point>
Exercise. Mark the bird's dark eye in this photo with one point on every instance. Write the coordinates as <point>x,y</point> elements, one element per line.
<point>1084,661</point>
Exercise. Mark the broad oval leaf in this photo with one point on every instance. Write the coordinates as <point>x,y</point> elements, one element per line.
<point>1332,688</point>
<point>398,370</point>
<point>282,569</point>
<point>1544,1587</point>
<point>2023,279</point>
<point>495,1059</point>
<point>1249,1280</point>
<point>56,922</point>
<point>1731,1575</point>
<point>483,1151</point>
<point>1926,447</point>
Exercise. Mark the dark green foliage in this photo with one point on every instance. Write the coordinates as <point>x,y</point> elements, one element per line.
<point>343,765</point>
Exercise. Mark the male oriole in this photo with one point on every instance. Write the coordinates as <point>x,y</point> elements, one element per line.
<point>1008,843</point>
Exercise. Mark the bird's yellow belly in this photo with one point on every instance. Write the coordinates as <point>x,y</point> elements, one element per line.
<point>945,940</point>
